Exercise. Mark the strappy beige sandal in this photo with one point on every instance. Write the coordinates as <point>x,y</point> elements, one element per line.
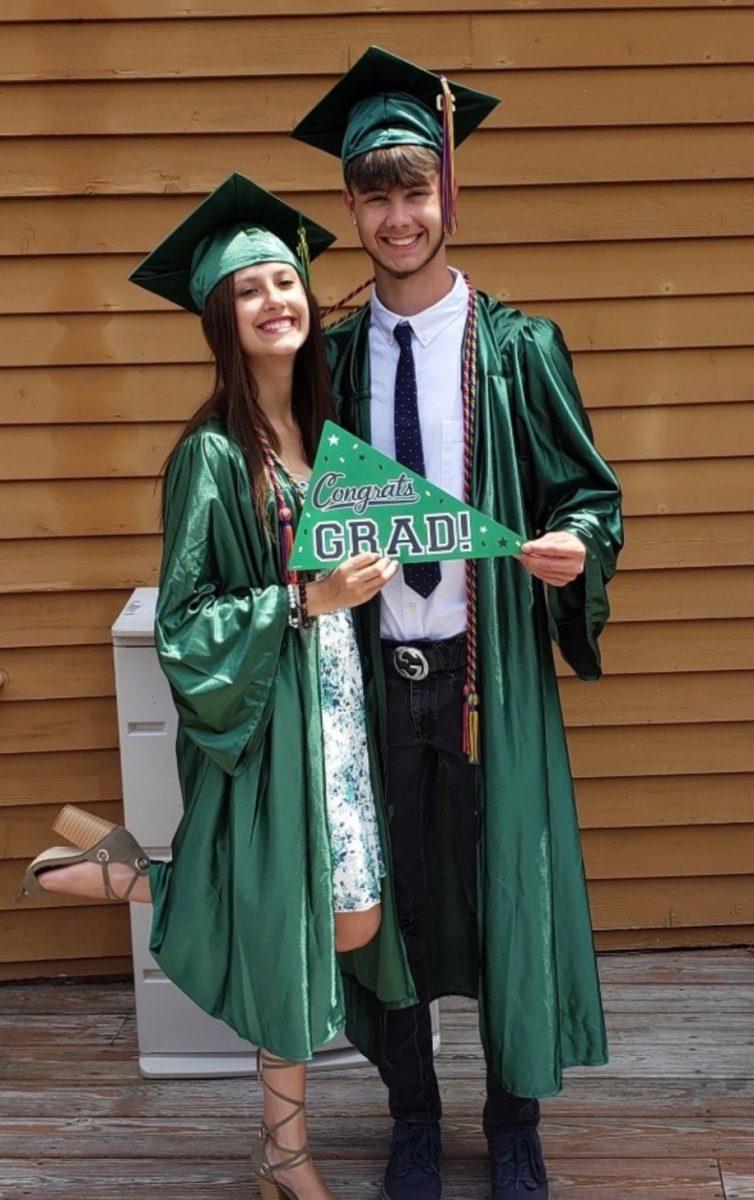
<point>98,841</point>
<point>269,1187</point>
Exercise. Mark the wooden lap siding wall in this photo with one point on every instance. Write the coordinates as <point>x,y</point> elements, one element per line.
<point>612,190</point>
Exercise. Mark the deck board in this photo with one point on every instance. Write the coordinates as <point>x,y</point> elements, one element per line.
<point>670,1117</point>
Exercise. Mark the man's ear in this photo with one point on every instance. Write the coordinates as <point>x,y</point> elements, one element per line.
<point>349,200</point>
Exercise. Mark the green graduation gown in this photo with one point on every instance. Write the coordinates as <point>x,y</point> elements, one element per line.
<point>243,914</point>
<point>535,469</point>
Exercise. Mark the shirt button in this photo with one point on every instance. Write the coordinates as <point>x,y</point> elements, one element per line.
<point>411,605</point>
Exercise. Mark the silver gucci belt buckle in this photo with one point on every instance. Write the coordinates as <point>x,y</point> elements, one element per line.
<point>410,662</point>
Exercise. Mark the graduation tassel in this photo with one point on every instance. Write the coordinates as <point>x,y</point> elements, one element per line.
<point>446,105</point>
<point>302,253</point>
<point>471,724</point>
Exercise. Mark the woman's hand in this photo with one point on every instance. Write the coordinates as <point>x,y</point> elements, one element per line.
<point>354,582</point>
<point>556,558</point>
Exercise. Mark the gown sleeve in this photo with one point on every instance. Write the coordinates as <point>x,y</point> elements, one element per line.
<point>574,489</point>
<point>218,641</point>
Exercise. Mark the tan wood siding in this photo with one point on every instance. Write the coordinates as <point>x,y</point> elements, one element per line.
<point>612,190</point>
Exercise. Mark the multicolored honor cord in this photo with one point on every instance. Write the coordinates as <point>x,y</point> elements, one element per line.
<point>471,733</point>
<point>327,312</point>
<point>285,516</point>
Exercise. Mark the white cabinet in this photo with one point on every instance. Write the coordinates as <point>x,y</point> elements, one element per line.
<point>176,1037</point>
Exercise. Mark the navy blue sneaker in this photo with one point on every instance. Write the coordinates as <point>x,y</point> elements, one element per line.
<point>413,1172</point>
<point>516,1163</point>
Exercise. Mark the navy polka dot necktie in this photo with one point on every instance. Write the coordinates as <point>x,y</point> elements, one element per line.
<point>421,577</point>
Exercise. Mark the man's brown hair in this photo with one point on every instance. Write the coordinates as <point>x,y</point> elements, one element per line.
<point>390,167</point>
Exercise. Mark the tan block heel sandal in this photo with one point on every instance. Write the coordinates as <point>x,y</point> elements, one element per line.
<point>269,1187</point>
<point>98,841</point>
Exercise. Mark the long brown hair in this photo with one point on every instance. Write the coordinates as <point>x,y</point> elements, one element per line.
<point>234,396</point>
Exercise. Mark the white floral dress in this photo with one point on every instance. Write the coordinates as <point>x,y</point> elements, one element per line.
<point>357,863</point>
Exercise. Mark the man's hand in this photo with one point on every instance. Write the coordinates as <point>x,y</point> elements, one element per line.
<point>556,558</point>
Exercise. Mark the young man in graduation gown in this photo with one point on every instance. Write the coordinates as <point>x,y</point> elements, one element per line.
<point>481,399</point>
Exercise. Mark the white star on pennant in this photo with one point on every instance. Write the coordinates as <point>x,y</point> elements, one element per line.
<point>333,439</point>
<point>482,528</point>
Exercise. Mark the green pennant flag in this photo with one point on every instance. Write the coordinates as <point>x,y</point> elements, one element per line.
<point>359,499</point>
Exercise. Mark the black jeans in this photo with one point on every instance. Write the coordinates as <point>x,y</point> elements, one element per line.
<point>424,737</point>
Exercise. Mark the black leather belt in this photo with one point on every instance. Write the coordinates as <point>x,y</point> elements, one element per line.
<point>416,660</point>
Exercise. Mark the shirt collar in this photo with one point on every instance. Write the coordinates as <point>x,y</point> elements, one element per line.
<point>429,323</point>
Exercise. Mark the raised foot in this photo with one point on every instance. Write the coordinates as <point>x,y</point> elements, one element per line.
<point>85,879</point>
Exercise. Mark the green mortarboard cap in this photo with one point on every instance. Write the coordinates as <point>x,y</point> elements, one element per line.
<point>384,100</point>
<point>237,225</point>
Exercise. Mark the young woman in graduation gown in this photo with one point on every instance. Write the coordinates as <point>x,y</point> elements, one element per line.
<point>245,918</point>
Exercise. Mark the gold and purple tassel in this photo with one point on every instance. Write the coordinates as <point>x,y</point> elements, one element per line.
<point>302,253</point>
<point>446,105</point>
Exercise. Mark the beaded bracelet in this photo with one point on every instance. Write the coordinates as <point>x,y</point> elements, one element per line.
<point>306,620</point>
<point>298,617</point>
<point>294,616</point>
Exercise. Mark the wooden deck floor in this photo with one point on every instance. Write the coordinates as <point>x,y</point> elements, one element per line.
<point>671,1117</point>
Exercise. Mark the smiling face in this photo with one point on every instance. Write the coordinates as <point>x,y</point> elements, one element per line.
<point>272,313</point>
<point>400,228</point>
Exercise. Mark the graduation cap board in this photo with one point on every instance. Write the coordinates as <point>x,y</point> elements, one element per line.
<point>384,100</point>
<point>237,225</point>
<point>359,499</point>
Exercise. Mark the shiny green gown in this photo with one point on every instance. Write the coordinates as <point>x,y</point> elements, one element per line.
<point>243,914</point>
<point>535,469</point>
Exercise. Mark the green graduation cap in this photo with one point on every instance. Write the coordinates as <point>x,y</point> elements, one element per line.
<point>384,100</point>
<point>237,225</point>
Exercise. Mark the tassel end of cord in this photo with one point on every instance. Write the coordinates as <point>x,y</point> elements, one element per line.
<point>286,544</point>
<point>471,732</point>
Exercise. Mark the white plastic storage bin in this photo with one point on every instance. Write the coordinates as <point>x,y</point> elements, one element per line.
<point>176,1037</point>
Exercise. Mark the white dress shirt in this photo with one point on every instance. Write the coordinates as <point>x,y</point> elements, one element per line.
<point>437,343</point>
